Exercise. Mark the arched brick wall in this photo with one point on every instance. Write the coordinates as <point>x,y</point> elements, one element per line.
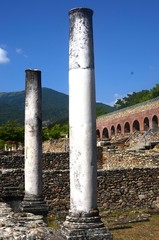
<point>138,117</point>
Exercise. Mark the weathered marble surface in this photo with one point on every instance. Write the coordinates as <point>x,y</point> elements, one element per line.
<point>24,226</point>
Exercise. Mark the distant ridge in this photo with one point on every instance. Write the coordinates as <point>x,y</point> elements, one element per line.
<point>54,106</point>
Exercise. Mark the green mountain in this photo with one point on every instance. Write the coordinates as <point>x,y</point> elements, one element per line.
<point>54,106</point>
<point>102,109</point>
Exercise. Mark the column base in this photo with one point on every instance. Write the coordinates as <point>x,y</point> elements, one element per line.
<point>87,226</point>
<point>34,204</point>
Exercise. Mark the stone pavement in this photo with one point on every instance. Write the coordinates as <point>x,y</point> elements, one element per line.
<point>24,226</point>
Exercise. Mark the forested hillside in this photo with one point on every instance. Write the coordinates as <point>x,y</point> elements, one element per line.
<point>137,97</point>
<point>54,107</point>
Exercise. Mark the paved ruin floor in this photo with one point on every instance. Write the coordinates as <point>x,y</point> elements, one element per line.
<point>24,226</point>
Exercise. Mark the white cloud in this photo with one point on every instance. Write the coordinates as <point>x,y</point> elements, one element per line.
<point>19,50</point>
<point>3,56</point>
<point>116,97</point>
<point>151,67</point>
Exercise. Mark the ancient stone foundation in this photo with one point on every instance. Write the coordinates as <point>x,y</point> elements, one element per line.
<point>85,226</point>
<point>117,188</point>
<point>34,204</point>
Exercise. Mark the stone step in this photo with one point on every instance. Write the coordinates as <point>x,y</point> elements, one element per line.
<point>24,226</point>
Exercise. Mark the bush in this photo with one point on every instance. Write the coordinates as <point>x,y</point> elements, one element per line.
<point>1,144</point>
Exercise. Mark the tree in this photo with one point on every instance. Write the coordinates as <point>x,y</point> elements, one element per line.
<point>1,144</point>
<point>134,98</point>
<point>154,92</point>
<point>12,131</point>
<point>101,111</point>
<point>55,131</point>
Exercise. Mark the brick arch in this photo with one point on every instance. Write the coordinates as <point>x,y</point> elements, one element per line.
<point>136,125</point>
<point>112,130</point>
<point>118,129</point>
<point>146,124</point>
<point>127,127</point>
<point>145,114</point>
<point>105,133</point>
<point>97,133</point>
<point>154,121</point>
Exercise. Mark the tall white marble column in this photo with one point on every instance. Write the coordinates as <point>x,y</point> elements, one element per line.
<point>83,219</point>
<point>82,113</point>
<point>33,200</point>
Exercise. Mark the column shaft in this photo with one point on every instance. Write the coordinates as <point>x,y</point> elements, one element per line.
<point>83,221</point>
<point>33,139</point>
<point>82,113</point>
<point>33,200</point>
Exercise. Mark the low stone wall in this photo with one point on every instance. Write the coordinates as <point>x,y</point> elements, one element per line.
<point>55,161</point>
<point>57,190</point>
<point>124,188</point>
<point>128,188</point>
<point>123,159</point>
<point>9,161</point>
<point>56,145</point>
<point>12,183</point>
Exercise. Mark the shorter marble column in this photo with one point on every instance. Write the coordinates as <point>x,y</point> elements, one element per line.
<point>33,200</point>
<point>83,221</point>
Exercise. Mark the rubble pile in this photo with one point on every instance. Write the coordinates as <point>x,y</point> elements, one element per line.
<point>24,226</point>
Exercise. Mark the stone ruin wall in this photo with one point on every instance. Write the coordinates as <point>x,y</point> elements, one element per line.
<point>133,110</point>
<point>56,145</point>
<point>122,159</point>
<point>117,188</point>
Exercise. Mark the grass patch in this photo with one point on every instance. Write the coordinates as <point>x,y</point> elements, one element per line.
<point>55,221</point>
<point>140,231</point>
<point>135,224</point>
<point>132,224</point>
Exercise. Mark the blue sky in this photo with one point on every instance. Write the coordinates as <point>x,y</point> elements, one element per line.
<point>34,34</point>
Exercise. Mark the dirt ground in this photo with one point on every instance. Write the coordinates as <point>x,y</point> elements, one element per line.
<point>141,224</point>
<point>139,231</point>
<point>143,227</point>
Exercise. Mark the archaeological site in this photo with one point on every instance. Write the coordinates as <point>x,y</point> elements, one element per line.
<point>108,163</point>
